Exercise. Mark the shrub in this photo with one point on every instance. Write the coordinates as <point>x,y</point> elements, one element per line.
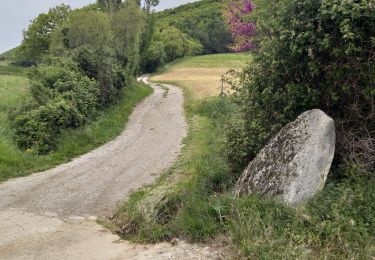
<point>102,67</point>
<point>64,98</point>
<point>87,61</point>
<point>320,54</point>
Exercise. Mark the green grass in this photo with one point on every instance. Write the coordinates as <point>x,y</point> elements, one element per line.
<point>201,154</point>
<point>338,223</point>
<point>109,124</point>
<point>8,69</point>
<point>224,60</point>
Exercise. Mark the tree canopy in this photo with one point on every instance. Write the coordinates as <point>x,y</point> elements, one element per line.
<point>37,38</point>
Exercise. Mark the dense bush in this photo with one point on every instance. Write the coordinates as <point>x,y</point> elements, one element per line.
<point>100,66</point>
<point>63,98</point>
<point>316,54</point>
<point>177,44</point>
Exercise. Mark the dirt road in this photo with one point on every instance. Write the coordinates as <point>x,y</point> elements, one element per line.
<point>51,215</point>
<point>94,183</point>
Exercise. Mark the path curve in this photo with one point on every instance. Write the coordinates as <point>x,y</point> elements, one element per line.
<point>52,215</point>
<point>95,183</point>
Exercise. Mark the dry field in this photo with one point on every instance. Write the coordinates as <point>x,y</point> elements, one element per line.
<point>202,74</point>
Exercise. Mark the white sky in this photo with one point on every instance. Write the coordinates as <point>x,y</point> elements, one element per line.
<point>15,16</point>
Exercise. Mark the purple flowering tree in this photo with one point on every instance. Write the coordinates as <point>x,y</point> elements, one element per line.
<point>237,15</point>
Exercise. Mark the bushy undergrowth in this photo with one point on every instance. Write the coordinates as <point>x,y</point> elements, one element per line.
<point>311,54</point>
<point>62,98</point>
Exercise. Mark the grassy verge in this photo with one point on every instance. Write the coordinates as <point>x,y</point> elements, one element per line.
<point>194,201</point>
<point>109,124</point>
<point>200,166</point>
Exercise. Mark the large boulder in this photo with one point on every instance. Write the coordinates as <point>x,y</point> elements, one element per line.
<point>294,165</point>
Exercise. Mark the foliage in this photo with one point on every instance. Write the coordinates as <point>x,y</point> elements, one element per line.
<point>146,41</point>
<point>155,57</point>
<point>149,4</point>
<point>109,5</point>
<point>37,38</point>
<point>237,14</point>
<point>201,20</point>
<point>64,99</point>
<point>320,55</point>
<point>177,44</point>
<point>93,56</point>
<point>168,45</point>
<point>127,27</point>
<point>89,28</point>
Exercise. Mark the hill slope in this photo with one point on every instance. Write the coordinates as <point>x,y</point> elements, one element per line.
<point>201,20</point>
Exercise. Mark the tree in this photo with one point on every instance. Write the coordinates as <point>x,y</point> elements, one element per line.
<point>177,44</point>
<point>37,38</point>
<point>108,5</point>
<point>89,28</point>
<point>127,27</point>
<point>149,4</point>
<point>57,46</point>
<point>236,14</point>
<point>154,57</point>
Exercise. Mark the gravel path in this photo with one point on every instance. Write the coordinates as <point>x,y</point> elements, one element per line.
<point>52,214</point>
<point>95,183</point>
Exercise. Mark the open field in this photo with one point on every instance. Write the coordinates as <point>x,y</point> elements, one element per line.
<point>201,74</point>
<point>109,124</point>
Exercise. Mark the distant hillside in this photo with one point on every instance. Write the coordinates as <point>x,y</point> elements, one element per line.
<point>201,20</point>
<point>8,54</point>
